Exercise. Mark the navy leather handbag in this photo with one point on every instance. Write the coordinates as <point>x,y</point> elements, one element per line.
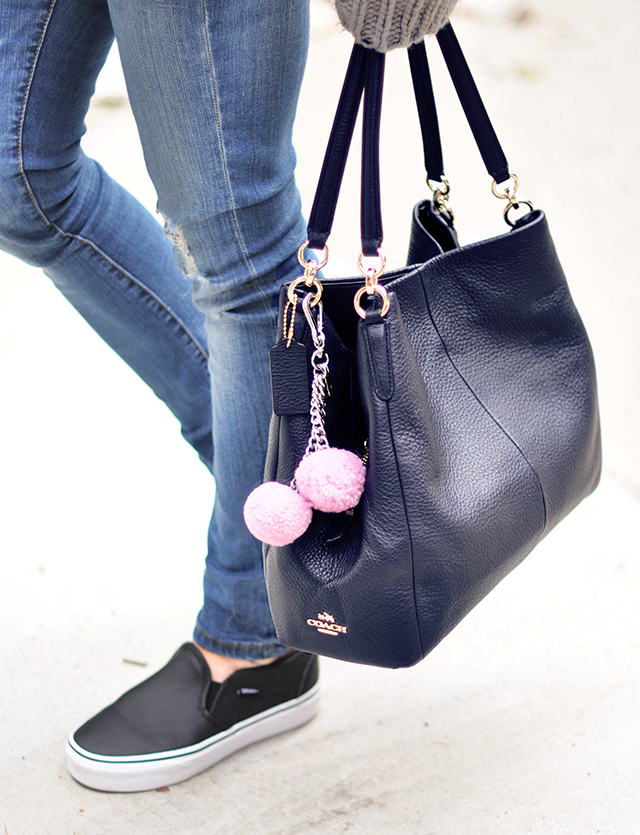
<point>465,381</point>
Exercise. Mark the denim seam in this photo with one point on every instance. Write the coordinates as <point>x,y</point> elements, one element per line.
<point>69,235</point>
<point>136,282</point>
<point>23,112</point>
<point>225,169</point>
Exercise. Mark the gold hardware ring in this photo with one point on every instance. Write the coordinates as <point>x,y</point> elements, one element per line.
<point>291,291</point>
<point>440,192</point>
<point>313,265</point>
<point>371,286</point>
<point>508,194</point>
<point>381,290</point>
<point>443,187</point>
<point>371,274</point>
<point>516,205</point>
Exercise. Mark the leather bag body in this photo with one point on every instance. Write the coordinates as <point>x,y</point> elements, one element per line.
<point>475,398</point>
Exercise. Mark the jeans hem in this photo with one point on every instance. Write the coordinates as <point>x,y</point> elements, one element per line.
<point>253,652</point>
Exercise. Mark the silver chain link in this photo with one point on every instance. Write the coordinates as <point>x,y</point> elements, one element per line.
<point>319,383</point>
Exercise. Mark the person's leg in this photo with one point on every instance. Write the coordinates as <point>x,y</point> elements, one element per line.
<point>59,210</point>
<point>214,86</point>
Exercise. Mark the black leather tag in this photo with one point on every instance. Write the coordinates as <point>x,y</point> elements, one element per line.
<point>289,378</point>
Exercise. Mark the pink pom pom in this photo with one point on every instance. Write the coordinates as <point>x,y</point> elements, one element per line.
<point>276,514</point>
<point>332,480</point>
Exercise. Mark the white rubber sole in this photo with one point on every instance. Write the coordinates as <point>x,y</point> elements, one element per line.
<point>155,771</point>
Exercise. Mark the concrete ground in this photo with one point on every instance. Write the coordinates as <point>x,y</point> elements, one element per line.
<point>526,718</point>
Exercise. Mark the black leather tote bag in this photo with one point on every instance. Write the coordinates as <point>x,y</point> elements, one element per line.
<point>472,399</point>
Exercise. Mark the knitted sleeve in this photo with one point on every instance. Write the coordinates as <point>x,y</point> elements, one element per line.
<point>389,24</point>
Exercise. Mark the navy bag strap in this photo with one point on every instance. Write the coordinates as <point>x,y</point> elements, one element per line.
<point>370,213</point>
<point>427,113</point>
<point>366,73</point>
<point>492,154</point>
<point>324,204</point>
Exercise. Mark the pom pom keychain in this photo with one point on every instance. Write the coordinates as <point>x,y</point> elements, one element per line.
<point>327,479</point>
<point>331,480</point>
<point>277,514</point>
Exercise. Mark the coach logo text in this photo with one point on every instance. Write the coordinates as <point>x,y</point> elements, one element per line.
<point>326,624</point>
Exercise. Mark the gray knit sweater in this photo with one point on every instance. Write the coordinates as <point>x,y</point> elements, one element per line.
<point>389,24</point>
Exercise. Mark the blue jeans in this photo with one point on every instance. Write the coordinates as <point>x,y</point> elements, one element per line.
<point>213,85</point>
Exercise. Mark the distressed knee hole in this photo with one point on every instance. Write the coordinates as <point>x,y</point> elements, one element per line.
<point>181,252</point>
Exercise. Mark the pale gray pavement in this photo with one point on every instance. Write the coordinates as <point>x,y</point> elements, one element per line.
<point>526,718</point>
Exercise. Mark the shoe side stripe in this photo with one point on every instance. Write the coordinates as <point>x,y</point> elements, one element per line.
<point>205,743</point>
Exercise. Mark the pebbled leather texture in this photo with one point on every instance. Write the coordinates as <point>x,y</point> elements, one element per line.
<point>289,378</point>
<point>477,395</point>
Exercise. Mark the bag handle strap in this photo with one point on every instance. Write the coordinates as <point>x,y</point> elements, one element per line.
<point>427,113</point>
<point>485,136</point>
<point>370,213</point>
<point>335,159</point>
<point>366,73</point>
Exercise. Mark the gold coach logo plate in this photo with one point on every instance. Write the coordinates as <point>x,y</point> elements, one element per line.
<point>326,624</point>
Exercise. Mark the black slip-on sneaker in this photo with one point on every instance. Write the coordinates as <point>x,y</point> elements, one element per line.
<point>178,722</point>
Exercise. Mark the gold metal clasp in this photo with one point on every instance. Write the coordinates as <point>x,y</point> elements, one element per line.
<point>309,279</point>
<point>371,285</point>
<point>312,265</point>
<point>509,194</point>
<point>440,191</point>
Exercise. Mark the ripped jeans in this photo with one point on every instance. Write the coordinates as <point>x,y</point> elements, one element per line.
<point>213,85</point>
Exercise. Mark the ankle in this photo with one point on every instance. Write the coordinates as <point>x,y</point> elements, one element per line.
<point>222,667</point>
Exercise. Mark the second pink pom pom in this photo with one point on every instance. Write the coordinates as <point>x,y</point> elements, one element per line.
<point>331,480</point>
